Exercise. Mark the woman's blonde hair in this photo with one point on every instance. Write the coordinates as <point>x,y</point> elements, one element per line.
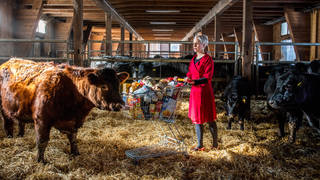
<point>203,39</point>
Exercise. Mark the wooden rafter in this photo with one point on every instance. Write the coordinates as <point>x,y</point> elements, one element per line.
<point>219,8</point>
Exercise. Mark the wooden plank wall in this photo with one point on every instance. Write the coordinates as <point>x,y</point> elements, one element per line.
<point>264,34</point>
<point>26,25</point>
<point>6,27</point>
<point>299,25</point>
<point>62,31</point>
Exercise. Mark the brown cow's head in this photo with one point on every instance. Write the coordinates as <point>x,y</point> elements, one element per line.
<point>104,92</point>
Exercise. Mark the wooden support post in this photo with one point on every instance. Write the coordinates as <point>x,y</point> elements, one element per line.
<point>108,45</point>
<point>122,39</point>
<point>247,50</point>
<point>318,34</point>
<point>130,45</point>
<point>77,32</point>
<point>6,26</point>
<point>217,33</point>
<point>313,36</point>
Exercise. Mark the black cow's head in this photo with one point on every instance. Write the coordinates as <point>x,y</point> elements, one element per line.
<point>285,94</point>
<point>232,103</point>
<point>105,88</point>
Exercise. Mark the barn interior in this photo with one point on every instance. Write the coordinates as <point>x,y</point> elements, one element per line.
<point>244,35</point>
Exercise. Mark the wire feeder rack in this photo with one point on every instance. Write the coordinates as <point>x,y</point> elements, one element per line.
<point>171,141</point>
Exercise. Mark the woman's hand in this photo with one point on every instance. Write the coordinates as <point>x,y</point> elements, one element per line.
<point>188,80</point>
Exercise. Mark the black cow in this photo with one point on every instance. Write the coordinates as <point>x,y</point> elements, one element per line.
<point>269,87</point>
<point>237,100</point>
<point>297,93</point>
<point>156,69</point>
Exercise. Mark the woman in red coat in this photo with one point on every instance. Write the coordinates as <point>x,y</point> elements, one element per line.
<point>202,108</point>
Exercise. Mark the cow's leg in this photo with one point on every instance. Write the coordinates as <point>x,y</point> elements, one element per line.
<point>21,129</point>
<point>293,125</point>
<point>42,139</point>
<point>281,122</point>
<point>241,123</point>
<point>8,125</point>
<point>73,143</point>
<point>230,119</point>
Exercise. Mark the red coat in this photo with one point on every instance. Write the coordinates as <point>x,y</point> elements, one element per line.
<point>202,107</point>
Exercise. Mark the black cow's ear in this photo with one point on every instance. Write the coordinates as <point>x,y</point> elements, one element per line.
<point>92,78</point>
<point>123,76</point>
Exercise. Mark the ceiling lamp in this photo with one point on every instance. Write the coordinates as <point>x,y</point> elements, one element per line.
<point>162,11</point>
<point>162,30</point>
<point>162,38</point>
<point>162,23</point>
<point>161,34</point>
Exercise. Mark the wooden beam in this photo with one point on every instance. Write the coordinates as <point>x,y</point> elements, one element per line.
<point>108,27</point>
<point>105,5</point>
<point>77,32</point>
<point>218,9</point>
<point>247,29</point>
<point>122,39</point>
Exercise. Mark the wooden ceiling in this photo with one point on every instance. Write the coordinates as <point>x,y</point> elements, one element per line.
<point>188,14</point>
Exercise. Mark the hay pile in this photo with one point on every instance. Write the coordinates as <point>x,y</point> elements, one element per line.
<point>255,153</point>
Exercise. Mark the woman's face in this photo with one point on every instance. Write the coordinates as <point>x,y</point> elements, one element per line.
<point>197,46</point>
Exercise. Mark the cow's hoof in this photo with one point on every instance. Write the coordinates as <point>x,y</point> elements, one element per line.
<point>20,135</point>
<point>292,140</point>
<point>241,128</point>
<point>75,153</point>
<point>42,161</point>
<point>10,136</point>
<point>228,127</point>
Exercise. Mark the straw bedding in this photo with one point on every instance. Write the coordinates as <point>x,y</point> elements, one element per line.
<point>256,153</point>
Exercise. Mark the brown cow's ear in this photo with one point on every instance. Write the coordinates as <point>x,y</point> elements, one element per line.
<point>93,79</point>
<point>123,77</point>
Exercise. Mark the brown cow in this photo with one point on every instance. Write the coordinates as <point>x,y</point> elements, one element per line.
<point>55,96</point>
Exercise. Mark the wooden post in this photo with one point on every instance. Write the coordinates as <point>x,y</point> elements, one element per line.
<point>122,39</point>
<point>247,30</point>
<point>313,38</point>
<point>77,32</point>
<point>217,32</point>
<point>130,45</point>
<point>108,45</point>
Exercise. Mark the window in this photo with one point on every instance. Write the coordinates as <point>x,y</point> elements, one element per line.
<point>41,26</point>
<point>174,47</point>
<point>284,29</point>
<point>287,52</point>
